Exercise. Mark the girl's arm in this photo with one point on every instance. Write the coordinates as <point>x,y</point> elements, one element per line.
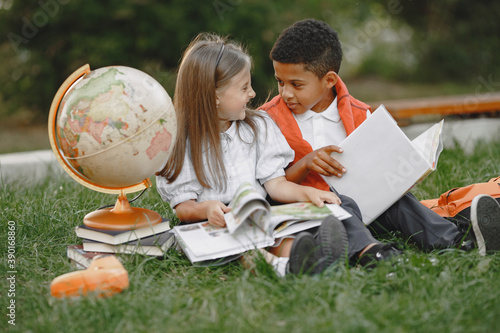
<point>282,190</point>
<point>191,211</point>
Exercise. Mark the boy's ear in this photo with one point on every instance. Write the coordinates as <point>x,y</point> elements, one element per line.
<point>331,79</point>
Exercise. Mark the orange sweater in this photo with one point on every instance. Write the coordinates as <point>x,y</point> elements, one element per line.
<point>352,113</point>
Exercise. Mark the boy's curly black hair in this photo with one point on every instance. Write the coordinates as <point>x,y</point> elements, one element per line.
<point>312,43</point>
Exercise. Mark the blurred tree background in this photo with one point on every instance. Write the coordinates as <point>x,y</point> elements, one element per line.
<point>398,40</point>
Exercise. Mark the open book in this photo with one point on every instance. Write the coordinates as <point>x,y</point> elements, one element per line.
<point>252,223</point>
<point>383,164</point>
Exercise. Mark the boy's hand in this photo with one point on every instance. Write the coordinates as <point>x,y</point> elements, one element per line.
<point>319,197</point>
<point>323,163</point>
<point>215,212</point>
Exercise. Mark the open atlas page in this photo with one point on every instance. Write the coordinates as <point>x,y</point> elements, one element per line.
<point>383,164</point>
<point>252,223</point>
<point>249,205</point>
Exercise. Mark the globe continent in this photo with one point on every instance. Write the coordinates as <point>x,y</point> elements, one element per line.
<point>116,126</point>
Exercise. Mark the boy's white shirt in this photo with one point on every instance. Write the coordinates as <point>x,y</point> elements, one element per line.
<point>323,128</point>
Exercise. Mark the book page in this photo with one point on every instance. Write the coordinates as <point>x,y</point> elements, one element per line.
<point>294,227</point>
<point>203,241</point>
<point>247,202</point>
<point>299,211</point>
<point>303,216</point>
<point>382,165</point>
<point>283,216</point>
<point>430,144</point>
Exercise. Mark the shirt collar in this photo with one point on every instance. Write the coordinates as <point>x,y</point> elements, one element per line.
<point>331,113</point>
<point>230,132</point>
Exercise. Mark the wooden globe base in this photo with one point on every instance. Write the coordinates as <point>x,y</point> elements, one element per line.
<point>121,217</point>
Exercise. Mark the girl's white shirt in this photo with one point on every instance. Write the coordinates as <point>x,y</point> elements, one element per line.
<point>256,163</point>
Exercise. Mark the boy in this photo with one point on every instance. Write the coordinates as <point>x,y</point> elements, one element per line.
<point>315,113</point>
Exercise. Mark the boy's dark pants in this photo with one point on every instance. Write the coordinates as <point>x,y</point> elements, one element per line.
<point>358,235</point>
<point>408,216</point>
<point>426,228</point>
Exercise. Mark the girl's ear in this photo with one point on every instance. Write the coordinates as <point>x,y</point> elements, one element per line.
<point>331,79</point>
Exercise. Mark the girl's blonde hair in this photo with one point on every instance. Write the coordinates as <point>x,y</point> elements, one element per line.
<point>208,64</point>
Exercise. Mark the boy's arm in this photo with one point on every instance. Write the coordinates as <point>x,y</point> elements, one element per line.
<point>320,161</point>
<point>191,211</point>
<point>297,172</point>
<point>282,190</point>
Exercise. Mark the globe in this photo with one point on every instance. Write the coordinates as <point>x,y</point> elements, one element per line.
<point>111,129</point>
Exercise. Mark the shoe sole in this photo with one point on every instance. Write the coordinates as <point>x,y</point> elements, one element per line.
<point>485,219</point>
<point>332,239</point>
<point>303,254</point>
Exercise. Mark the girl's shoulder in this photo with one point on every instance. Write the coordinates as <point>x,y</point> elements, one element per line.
<point>258,126</point>
<point>253,126</point>
<point>257,120</point>
<point>259,116</point>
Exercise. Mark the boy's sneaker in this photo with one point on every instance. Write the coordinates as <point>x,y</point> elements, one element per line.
<point>376,253</point>
<point>303,254</point>
<point>332,242</point>
<point>485,219</point>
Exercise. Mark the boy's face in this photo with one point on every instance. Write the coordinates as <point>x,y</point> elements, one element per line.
<point>302,90</point>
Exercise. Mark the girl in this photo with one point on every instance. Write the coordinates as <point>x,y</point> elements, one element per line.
<point>221,143</point>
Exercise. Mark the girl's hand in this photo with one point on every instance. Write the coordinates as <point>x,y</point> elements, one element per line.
<point>285,191</point>
<point>215,211</point>
<point>323,163</point>
<point>319,197</point>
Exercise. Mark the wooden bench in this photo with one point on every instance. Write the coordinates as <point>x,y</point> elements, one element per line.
<point>405,111</point>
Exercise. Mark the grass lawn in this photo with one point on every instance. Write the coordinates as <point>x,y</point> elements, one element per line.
<point>441,291</point>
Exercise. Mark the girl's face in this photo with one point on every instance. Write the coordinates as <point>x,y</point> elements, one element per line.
<point>232,99</point>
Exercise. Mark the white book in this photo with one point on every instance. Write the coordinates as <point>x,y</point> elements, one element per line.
<point>155,245</point>
<point>383,164</point>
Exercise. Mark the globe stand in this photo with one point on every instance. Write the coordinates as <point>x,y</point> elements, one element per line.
<point>121,217</point>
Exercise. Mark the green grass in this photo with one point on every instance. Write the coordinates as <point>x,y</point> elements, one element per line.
<point>441,291</point>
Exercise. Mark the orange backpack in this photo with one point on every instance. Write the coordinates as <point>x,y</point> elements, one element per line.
<point>457,200</point>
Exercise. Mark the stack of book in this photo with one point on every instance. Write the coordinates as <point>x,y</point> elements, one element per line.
<point>152,240</point>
